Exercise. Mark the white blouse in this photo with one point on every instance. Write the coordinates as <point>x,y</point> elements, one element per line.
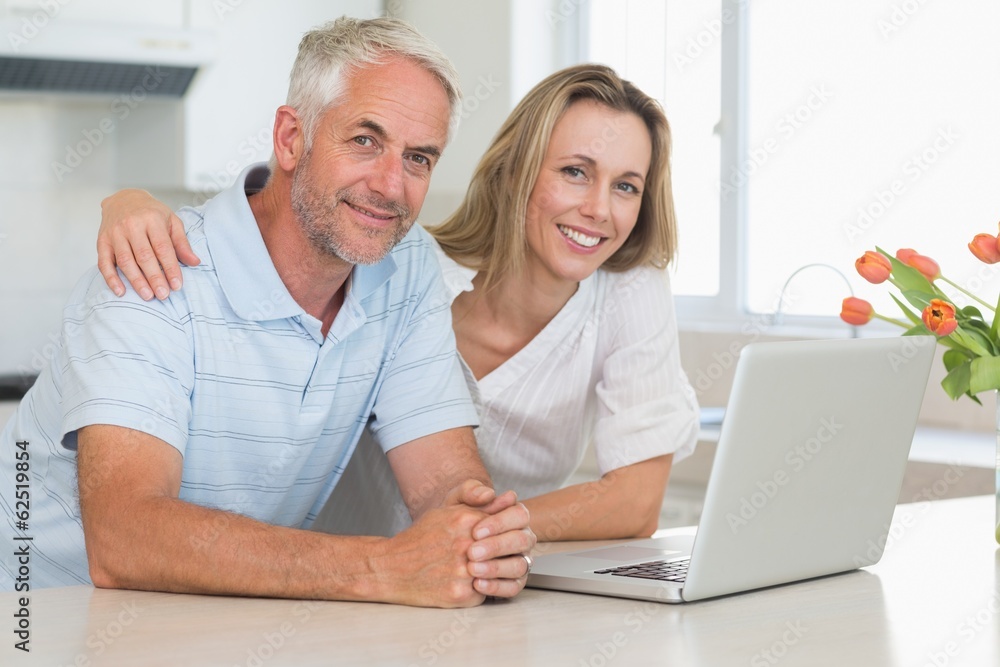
<point>604,372</point>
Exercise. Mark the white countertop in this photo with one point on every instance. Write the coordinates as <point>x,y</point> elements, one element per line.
<point>931,600</point>
<point>931,445</point>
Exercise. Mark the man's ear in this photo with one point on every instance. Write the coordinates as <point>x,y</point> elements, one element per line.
<point>289,138</point>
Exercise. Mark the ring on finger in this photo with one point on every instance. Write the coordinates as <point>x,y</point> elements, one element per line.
<point>527,562</point>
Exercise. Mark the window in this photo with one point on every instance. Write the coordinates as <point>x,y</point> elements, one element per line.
<point>844,126</point>
<point>682,71</point>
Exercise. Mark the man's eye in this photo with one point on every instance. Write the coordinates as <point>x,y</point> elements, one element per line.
<point>421,161</point>
<point>363,141</point>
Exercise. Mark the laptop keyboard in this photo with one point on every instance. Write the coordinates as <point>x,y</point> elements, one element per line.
<point>673,570</point>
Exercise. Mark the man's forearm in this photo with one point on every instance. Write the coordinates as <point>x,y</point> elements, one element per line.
<point>185,548</point>
<point>139,534</point>
<point>428,468</point>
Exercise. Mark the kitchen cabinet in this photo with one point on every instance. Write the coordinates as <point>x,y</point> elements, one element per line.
<point>39,13</point>
<point>224,122</point>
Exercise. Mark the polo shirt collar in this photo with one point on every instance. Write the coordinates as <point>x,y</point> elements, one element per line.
<point>246,273</point>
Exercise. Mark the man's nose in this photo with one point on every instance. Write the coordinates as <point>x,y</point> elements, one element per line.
<point>387,177</point>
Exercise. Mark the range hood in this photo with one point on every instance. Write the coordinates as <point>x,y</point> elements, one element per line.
<point>71,57</point>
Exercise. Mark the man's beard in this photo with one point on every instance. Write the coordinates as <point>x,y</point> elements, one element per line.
<point>323,225</point>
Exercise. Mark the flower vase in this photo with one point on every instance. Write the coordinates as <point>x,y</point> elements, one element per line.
<point>997,487</point>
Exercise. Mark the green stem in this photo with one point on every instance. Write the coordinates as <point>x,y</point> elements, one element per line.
<point>968,294</point>
<point>996,321</point>
<point>898,323</point>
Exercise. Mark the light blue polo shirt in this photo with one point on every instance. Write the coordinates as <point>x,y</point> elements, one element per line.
<point>233,373</point>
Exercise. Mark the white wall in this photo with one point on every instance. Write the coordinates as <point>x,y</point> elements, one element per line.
<point>49,215</point>
<point>501,49</point>
<point>47,227</point>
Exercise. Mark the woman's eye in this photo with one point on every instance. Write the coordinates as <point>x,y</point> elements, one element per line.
<point>628,187</point>
<point>574,172</point>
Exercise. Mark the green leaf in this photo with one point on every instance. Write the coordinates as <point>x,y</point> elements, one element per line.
<point>973,341</point>
<point>972,312</point>
<point>956,382</point>
<point>985,374</point>
<point>918,330</point>
<point>918,298</point>
<point>910,315</point>
<point>955,358</point>
<point>978,325</point>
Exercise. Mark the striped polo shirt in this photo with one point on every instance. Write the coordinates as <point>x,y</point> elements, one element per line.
<point>235,375</point>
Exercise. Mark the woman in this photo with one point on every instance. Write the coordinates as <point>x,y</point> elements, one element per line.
<point>561,308</point>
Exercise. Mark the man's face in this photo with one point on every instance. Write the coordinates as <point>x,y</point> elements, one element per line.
<point>359,188</point>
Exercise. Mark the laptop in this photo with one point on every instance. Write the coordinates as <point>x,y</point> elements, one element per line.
<point>807,472</point>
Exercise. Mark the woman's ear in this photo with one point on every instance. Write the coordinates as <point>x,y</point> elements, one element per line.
<point>289,139</point>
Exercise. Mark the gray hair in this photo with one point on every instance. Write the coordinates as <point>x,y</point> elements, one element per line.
<point>335,50</point>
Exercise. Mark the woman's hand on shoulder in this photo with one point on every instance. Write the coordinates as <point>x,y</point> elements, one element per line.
<point>141,236</point>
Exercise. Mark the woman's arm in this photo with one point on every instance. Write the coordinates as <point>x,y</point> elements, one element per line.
<point>623,503</point>
<point>141,236</point>
<point>647,417</point>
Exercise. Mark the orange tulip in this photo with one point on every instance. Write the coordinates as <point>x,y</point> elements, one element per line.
<point>939,317</point>
<point>856,311</point>
<point>921,263</point>
<point>873,267</point>
<point>985,248</point>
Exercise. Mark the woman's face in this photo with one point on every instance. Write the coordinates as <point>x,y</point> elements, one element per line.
<point>586,199</point>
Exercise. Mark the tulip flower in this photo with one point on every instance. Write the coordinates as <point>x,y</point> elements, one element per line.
<point>921,263</point>
<point>930,270</point>
<point>939,317</point>
<point>985,248</point>
<point>873,267</point>
<point>856,311</point>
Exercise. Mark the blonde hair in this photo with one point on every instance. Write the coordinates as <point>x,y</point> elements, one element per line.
<point>486,232</point>
<point>330,53</point>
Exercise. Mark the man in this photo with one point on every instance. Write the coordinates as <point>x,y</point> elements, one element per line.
<point>209,428</point>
